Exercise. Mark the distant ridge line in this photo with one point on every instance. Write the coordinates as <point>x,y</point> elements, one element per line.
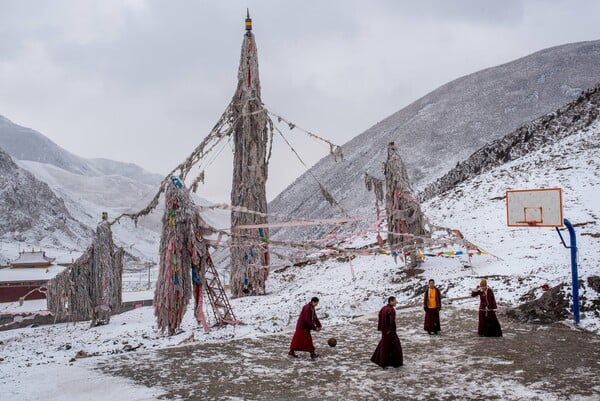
<point>567,120</point>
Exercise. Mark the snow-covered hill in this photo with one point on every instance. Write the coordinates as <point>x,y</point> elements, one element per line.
<point>27,144</point>
<point>87,197</point>
<point>519,263</point>
<point>443,128</point>
<point>32,213</point>
<point>88,187</point>
<point>568,120</point>
<point>526,258</point>
<point>432,135</point>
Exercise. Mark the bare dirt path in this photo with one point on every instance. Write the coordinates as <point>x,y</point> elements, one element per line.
<point>528,363</point>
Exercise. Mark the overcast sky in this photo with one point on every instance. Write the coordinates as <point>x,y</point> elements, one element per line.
<point>145,81</point>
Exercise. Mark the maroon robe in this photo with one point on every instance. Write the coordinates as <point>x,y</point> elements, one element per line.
<point>432,315</point>
<point>307,321</point>
<point>389,349</point>
<point>488,325</point>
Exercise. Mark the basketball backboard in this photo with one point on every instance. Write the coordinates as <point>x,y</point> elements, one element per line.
<point>534,207</point>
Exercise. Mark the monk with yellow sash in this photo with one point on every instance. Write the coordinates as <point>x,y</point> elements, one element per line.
<point>432,303</point>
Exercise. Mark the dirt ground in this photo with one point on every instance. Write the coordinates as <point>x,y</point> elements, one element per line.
<point>529,362</point>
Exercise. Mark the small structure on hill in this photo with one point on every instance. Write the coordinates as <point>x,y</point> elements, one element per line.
<point>90,289</point>
<point>249,252</point>
<point>27,277</point>
<point>32,259</point>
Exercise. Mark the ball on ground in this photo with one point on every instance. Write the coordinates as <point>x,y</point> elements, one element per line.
<point>332,342</point>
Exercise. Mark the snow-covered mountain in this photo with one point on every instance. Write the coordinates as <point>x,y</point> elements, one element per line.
<point>443,128</point>
<point>32,213</point>
<point>85,188</point>
<point>27,144</point>
<point>432,134</point>
<point>87,197</point>
<point>574,117</point>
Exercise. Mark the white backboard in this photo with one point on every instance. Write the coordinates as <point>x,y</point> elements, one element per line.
<point>540,207</point>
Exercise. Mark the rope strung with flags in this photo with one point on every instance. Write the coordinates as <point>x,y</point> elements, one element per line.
<point>333,245</point>
<point>299,223</point>
<point>224,128</point>
<point>448,237</point>
<point>334,150</point>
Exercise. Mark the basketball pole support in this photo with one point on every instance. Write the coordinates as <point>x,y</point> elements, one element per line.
<point>574,275</point>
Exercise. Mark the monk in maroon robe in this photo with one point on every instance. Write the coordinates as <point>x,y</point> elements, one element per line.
<point>488,322</point>
<point>389,349</point>
<point>307,321</point>
<point>432,304</point>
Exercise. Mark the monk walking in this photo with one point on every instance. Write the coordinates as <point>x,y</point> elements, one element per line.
<point>488,322</point>
<point>307,321</point>
<point>432,304</point>
<point>389,349</point>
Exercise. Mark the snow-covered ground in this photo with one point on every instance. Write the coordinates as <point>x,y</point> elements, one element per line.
<point>39,363</point>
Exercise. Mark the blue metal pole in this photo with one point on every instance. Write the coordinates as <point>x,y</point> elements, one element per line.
<point>574,274</point>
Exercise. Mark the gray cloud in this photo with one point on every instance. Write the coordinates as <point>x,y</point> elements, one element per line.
<point>144,81</point>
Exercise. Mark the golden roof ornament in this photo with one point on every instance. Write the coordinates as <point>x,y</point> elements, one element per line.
<point>248,23</point>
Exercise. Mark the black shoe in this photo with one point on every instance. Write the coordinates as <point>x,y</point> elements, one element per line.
<point>292,354</point>
<point>314,356</point>
<point>429,332</point>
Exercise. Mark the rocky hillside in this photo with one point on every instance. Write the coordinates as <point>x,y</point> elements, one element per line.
<point>32,212</point>
<point>85,188</point>
<point>443,128</point>
<point>567,120</point>
<point>87,197</point>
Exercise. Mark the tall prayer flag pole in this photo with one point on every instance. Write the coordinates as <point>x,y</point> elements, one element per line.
<point>249,252</point>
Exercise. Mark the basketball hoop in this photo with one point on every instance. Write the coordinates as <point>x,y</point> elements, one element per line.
<point>534,207</point>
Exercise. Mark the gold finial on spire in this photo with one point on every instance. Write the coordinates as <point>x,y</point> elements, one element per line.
<point>248,22</point>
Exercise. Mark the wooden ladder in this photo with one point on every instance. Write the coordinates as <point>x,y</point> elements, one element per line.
<point>217,296</point>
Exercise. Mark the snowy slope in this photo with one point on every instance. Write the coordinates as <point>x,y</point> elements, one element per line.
<point>87,187</point>
<point>520,261</point>
<point>27,144</point>
<point>535,255</point>
<point>32,214</point>
<point>444,127</point>
<point>87,197</point>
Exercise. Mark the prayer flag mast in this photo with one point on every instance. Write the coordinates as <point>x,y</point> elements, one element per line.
<point>405,220</point>
<point>249,249</point>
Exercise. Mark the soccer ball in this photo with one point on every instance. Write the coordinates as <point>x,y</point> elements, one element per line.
<point>332,342</point>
